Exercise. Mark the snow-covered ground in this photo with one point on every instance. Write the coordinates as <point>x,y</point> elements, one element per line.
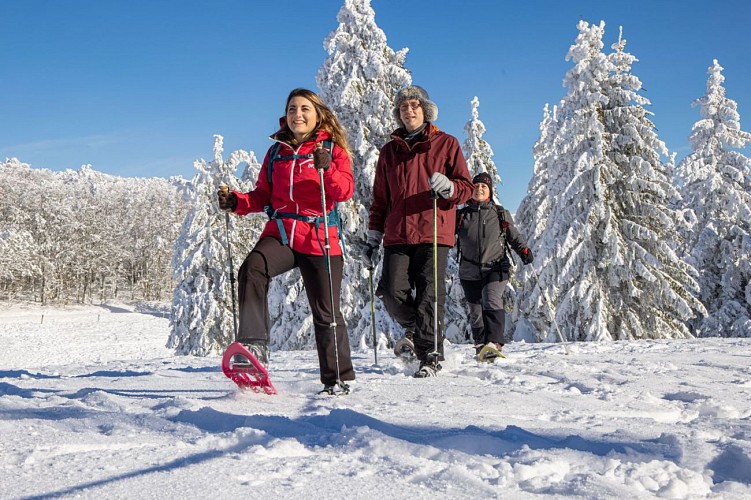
<point>93,406</point>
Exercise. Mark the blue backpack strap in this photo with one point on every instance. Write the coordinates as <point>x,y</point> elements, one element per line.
<point>332,217</point>
<point>273,156</point>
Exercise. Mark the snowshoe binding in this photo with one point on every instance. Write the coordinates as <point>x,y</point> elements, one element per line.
<point>339,389</point>
<point>405,349</point>
<point>427,369</point>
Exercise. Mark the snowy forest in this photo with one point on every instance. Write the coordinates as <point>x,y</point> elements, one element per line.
<point>627,243</point>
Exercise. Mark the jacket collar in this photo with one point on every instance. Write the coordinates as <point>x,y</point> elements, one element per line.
<point>477,205</point>
<point>319,135</point>
<point>421,142</point>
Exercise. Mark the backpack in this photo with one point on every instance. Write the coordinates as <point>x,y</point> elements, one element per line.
<point>332,218</point>
<point>502,222</point>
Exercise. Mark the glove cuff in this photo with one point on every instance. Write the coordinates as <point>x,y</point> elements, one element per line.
<point>374,238</point>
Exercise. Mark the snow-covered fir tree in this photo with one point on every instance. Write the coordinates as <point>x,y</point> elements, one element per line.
<point>606,260</point>
<point>651,288</point>
<point>532,213</point>
<point>534,208</point>
<point>202,322</point>
<point>359,80</point>
<point>477,151</point>
<point>716,185</point>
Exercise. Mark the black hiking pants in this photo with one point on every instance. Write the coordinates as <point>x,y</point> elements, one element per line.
<point>407,291</point>
<point>271,258</point>
<point>487,316</point>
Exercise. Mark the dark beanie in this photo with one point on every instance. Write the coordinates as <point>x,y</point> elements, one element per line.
<point>485,178</point>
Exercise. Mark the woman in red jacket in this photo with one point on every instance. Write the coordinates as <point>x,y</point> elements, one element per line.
<point>294,236</point>
<point>418,159</point>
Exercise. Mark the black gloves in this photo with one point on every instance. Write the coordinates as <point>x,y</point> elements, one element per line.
<point>371,252</point>
<point>227,199</point>
<point>321,157</point>
<point>526,256</point>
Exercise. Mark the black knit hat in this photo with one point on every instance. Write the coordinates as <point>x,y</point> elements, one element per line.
<point>485,178</point>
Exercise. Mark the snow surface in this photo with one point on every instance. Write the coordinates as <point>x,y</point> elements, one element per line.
<point>93,405</point>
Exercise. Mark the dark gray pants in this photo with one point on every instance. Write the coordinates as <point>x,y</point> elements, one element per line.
<point>407,291</point>
<point>487,317</point>
<point>270,258</point>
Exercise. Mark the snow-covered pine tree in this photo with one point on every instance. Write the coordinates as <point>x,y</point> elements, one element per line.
<point>201,322</point>
<point>532,215</point>
<point>606,259</point>
<point>650,290</point>
<point>477,151</point>
<point>534,208</point>
<point>358,81</point>
<point>716,184</point>
<point>563,278</point>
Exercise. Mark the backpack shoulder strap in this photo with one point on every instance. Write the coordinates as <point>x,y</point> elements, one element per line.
<point>504,229</point>
<point>273,156</point>
<point>502,217</point>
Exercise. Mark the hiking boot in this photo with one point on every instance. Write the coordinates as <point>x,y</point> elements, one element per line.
<point>427,369</point>
<point>257,348</point>
<point>478,348</point>
<point>328,390</point>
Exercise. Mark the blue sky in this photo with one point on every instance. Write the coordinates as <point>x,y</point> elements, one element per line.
<point>137,88</point>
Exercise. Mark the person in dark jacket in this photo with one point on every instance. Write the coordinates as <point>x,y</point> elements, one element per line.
<point>484,231</point>
<point>418,161</point>
<point>294,236</point>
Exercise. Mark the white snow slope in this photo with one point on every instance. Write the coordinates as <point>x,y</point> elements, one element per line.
<point>93,406</point>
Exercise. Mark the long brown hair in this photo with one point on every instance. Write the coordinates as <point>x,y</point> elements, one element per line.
<point>326,121</point>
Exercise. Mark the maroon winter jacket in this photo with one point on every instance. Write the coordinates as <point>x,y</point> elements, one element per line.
<point>402,208</point>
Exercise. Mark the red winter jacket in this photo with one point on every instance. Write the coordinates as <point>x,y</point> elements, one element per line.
<point>402,207</point>
<point>296,189</point>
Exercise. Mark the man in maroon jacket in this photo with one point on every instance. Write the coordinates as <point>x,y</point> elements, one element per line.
<point>420,159</point>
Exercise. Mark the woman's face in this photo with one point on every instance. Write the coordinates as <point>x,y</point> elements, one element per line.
<point>411,114</point>
<point>481,192</point>
<point>301,117</point>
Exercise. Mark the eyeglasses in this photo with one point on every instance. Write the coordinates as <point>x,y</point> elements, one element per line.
<point>409,105</point>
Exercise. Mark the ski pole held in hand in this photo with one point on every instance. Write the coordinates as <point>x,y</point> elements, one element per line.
<point>435,355</point>
<point>223,188</point>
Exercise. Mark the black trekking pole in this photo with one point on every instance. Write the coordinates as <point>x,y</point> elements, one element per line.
<point>225,189</point>
<point>327,249</point>
<point>435,355</point>
<point>372,315</point>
